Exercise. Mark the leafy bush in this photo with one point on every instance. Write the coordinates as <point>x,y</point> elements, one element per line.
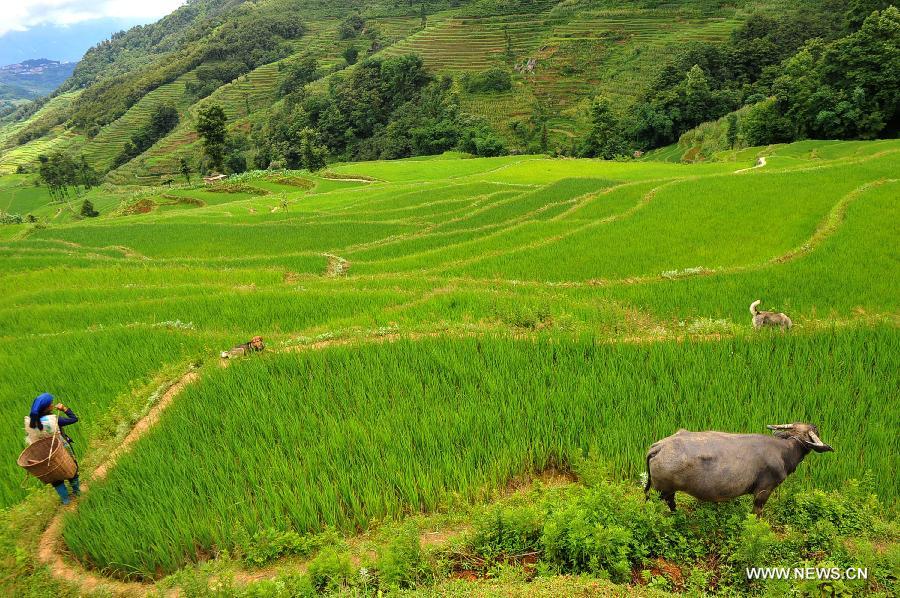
<point>271,544</point>
<point>851,511</point>
<point>351,26</point>
<point>494,80</point>
<point>6,218</point>
<point>401,564</point>
<point>351,55</point>
<point>602,531</point>
<point>87,209</point>
<point>299,74</point>
<point>329,571</point>
<point>507,531</point>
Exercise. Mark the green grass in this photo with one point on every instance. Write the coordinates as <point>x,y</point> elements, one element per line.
<point>741,221</point>
<point>849,275</point>
<point>82,370</point>
<point>180,239</point>
<point>584,262</point>
<point>244,449</point>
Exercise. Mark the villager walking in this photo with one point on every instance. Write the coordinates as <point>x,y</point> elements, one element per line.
<point>42,423</point>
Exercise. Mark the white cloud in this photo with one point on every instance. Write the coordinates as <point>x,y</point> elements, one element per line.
<point>21,15</point>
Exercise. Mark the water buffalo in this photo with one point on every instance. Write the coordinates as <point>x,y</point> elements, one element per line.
<point>716,466</point>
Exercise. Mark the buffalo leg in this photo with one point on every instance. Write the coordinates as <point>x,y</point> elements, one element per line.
<point>669,497</point>
<point>759,501</point>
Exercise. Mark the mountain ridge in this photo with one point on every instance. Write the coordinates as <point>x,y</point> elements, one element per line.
<point>556,57</point>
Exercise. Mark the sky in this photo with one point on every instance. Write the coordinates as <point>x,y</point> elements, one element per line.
<point>64,29</point>
<point>22,15</point>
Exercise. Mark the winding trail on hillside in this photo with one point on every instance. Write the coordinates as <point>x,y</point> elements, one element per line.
<point>51,551</point>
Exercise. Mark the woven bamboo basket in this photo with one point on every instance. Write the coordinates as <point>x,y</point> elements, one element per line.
<point>48,460</point>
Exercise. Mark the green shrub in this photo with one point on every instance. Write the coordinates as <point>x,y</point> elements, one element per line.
<point>284,586</point>
<point>587,535</point>
<point>10,218</point>
<point>87,209</point>
<point>401,563</point>
<point>507,531</point>
<point>852,511</point>
<point>754,543</point>
<point>329,571</point>
<point>494,80</point>
<point>270,544</point>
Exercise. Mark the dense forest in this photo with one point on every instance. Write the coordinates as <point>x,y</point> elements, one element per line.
<point>816,72</point>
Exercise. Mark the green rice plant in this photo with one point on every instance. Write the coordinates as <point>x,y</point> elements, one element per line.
<point>742,221</point>
<point>851,273</point>
<point>167,240</point>
<point>89,372</point>
<point>427,170</point>
<point>347,435</point>
<point>100,311</point>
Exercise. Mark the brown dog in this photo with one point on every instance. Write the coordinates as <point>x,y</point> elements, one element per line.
<point>762,319</point>
<point>254,345</point>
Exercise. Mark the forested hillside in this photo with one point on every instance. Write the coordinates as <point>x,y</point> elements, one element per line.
<point>300,83</point>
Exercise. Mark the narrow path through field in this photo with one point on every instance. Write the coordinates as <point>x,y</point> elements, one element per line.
<point>50,545</point>
<point>760,162</point>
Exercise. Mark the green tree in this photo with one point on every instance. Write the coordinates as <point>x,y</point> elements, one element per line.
<point>732,131</point>
<point>185,167</point>
<point>58,172</point>
<point>606,138</point>
<point>859,10</point>
<point>847,88</point>
<point>351,55</point>
<point>86,176</point>
<point>764,124</point>
<point>302,72</point>
<point>211,128</point>
<point>351,26</point>
<point>312,152</point>
<point>87,209</point>
<point>235,146</point>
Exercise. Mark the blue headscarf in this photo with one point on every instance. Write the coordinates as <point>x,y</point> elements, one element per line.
<point>38,407</point>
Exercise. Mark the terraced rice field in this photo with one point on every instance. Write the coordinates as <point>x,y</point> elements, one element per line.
<point>108,143</point>
<point>577,54</point>
<point>461,44</point>
<point>58,138</point>
<point>437,327</point>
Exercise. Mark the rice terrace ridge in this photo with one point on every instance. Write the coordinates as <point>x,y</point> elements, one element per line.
<point>450,298</point>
